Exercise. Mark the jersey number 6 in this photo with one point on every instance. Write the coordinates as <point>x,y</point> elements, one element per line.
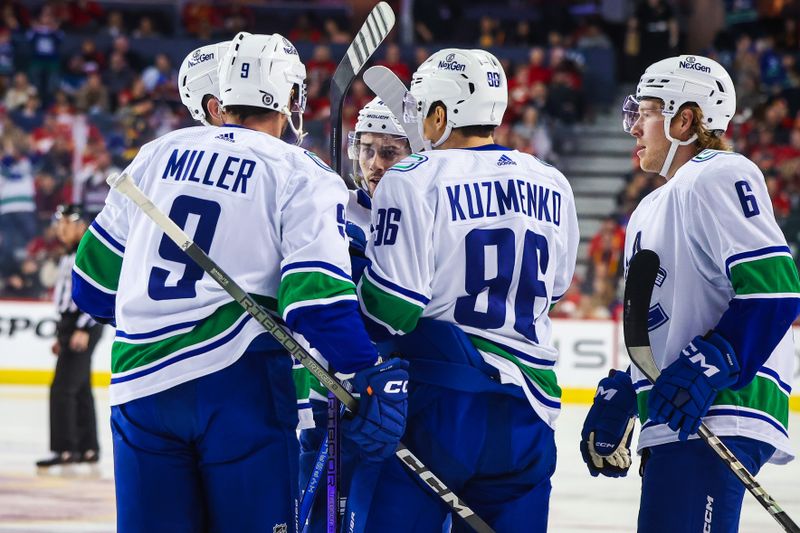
<point>491,260</point>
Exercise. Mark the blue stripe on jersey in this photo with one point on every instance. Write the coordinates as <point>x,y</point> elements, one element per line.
<point>774,375</point>
<point>754,253</point>
<point>539,396</point>
<point>754,327</point>
<point>555,299</point>
<point>746,414</point>
<point>363,199</point>
<point>517,353</point>
<point>397,288</point>
<point>315,264</point>
<point>185,355</point>
<point>103,233</point>
<point>89,299</point>
<point>488,147</point>
<point>336,330</point>
<point>641,384</point>
<point>155,333</point>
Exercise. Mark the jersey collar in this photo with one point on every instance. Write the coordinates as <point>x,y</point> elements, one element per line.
<point>488,147</point>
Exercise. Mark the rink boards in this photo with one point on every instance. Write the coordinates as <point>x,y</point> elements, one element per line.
<point>588,349</point>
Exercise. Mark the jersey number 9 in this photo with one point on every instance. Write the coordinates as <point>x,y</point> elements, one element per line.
<point>207,215</point>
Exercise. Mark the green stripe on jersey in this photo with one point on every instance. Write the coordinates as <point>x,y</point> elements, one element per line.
<point>761,394</point>
<point>305,382</point>
<point>127,356</point>
<point>98,261</point>
<point>306,286</point>
<point>398,313</point>
<point>300,376</point>
<point>765,276</point>
<point>546,379</point>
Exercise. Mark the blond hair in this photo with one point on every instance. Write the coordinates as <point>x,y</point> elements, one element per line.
<point>706,139</point>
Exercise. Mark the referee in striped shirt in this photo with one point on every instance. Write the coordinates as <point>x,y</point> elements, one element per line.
<point>73,427</point>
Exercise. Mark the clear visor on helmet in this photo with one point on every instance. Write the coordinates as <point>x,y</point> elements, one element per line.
<point>299,94</point>
<point>411,108</point>
<point>630,113</point>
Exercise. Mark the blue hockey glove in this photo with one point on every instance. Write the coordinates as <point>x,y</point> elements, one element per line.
<point>685,389</point>
<point>381,417</point>
<point>608,428</point>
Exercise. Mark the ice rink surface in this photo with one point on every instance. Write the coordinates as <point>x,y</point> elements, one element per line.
<point>85,504</point>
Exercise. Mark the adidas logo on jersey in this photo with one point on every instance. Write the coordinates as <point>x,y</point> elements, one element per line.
<point>505,160</point>
<point>225,137</point>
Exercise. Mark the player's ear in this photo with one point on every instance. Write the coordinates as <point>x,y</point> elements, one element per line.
<point>683,124</point>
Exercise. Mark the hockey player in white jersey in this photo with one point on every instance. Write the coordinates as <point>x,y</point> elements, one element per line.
<point>198,83</point>
<point>720,316</point>
<point>376,144</point>
<point>472,244</point>
<point>203,406</point>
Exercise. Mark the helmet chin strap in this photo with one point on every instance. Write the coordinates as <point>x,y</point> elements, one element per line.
<point>673,149</point>
<point>296,130</point>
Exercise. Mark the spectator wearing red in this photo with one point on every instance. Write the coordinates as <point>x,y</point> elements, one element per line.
<point>538,72</point>
<point>607,248</point>
<point>83,15</point>
<point>394,62</point>
<point>320,67</point>
<point>304,31</point>
<point>201,19</point>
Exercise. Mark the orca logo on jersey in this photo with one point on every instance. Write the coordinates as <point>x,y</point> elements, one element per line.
<point>396,387</point>
<point>280,528</point>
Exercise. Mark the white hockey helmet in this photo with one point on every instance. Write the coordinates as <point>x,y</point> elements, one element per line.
<point>470,83</point>
<point>680,80</point>
<point>374,117</point>
<point>264,71</point>
<point>198,77</point>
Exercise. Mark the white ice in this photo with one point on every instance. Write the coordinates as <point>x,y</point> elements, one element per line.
<point>54,504</point>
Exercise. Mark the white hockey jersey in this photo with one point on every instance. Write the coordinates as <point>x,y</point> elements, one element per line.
<point>713,227</point>
<point>270,214</point>
<point>484,238</point>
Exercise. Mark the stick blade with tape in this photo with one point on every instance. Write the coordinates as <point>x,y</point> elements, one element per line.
<point>392,91</point>
<point>639,283</point>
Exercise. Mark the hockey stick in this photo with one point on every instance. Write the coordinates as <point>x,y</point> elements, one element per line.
<point>124,184</point>
<point>392,91</point>
<point>642,272</point>
<point>379,23</point>
<point>309,494</point>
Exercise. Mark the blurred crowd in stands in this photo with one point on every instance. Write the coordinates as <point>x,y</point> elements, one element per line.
<point>71,115</point>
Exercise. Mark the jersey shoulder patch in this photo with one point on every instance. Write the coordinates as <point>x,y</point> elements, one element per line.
<point>317,161</point>
<point>708,154</point>
<point>409,163</point>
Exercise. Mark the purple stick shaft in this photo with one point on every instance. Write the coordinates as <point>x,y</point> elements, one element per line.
<point>333,464</point>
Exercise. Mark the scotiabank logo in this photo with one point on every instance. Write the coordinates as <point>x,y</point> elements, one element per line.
<point>691,64</point>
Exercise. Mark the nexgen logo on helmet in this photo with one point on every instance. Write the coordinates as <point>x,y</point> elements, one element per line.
<point>676,81</point>
<point>198,77</point>
<point>691,63</point>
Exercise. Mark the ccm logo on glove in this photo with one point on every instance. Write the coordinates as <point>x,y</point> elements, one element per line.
<point>396,387</point>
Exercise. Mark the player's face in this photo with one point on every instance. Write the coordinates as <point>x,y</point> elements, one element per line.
<point>652,145</point>
<point>377,153</point>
